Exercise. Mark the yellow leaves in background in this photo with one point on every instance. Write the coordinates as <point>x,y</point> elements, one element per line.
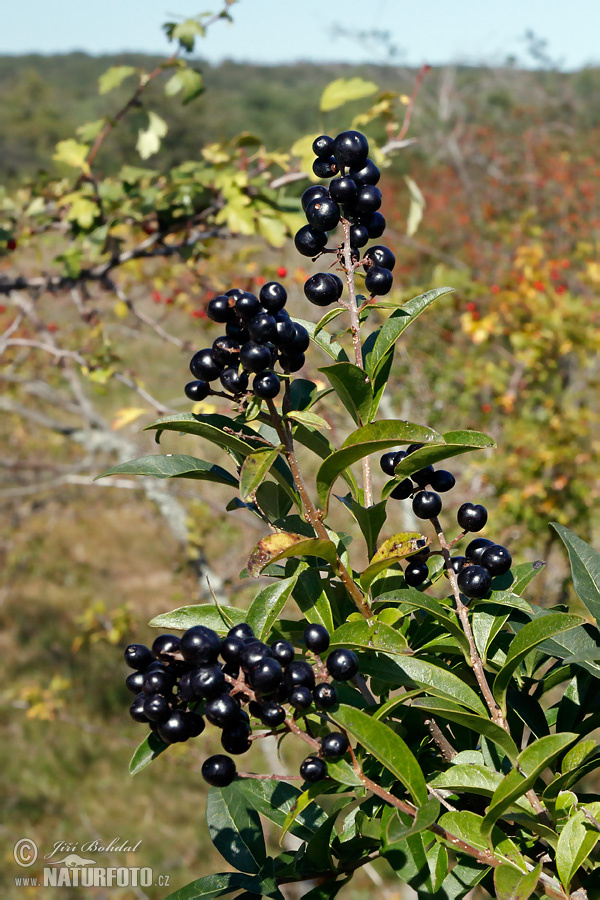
<point>343,90</point>
<point>148,142</point>
<point>126,416</point>
<point>72,153</point>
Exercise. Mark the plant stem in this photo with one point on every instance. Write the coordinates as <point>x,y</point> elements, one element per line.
<point>358,358</point>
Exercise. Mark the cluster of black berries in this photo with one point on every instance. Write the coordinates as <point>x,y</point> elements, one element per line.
<point>353,196</point>
<point>180,682</point>
<point>483,559</point>
<point>258,333</point>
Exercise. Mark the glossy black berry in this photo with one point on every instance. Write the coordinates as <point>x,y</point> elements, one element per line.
<point>368,200</point>
<point>271,713</point>
<point>273,296</point>
<point>204,365</point>
<point>342,664</point>
<point>301,341</point>
<point>312,192</point>
<point>323,213</point>
<point>416,573</point>
<point>325,168</point>
<point>200,645</point>
<point>166,646</point>
<point>367,174</point>
<point>323,146</point>
<point>284,332</point>
<point>265,675</point>
<point>322,289</point>
<point>388,462</point>
<point>208,681</point>
<point>134,682</point>
<point>301,698</point>
<point>351,148</point>
<point>255,357</point>
<point>252,653</point>
<point>234,292</point>
<point>219,770</point>
<point>299,674</point>
<point>157,708</point>
<point>316,638</point>
<point>222,710</point>
<point>423,476</point>
<point>234,739</point>
<point>266,386</point>
<point>474,582</point>
<point>197,390</point>
<point>283,652</point>
<point>234,381</point>
<point>427,505</point>
<point>220,309</point>
<point>359,236</point>
<point>412,448</point>
<point>194,724</point>
<point>138,656</point>
<point>136,710</point>
<point>237,331</point>
<point>313,769</point>
<point>293,363</point>
<point>325,695</point>
<point>263,328</point>
<point>477,548</point>
<point>231,647</point>
<point>243,630</point>
<point>375,225</point>
<point>457,562</point>
<point>185,692</point>
<point>472,516</point>
<point>343,190</point>
<point>378,281</point>
<point>226,351</point>
<point>310,241</point>
<point>247,306</point>
<point>496,559</point>
<point>158,681</point>
<point>174,729</point>
<point>334,744</point>
<point>381,256</point>
<point>442,481</point>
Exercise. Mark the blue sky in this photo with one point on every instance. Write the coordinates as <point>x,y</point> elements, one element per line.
<point>268,31</point>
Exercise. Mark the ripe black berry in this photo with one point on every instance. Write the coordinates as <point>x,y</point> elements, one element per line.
<point>231,647</point>
<point>185,692</point>
<point>301,341</point>
<point>243,630</point>
<point>474,582</point>
<point>266,385</point>
<point>301,698</point>
<point>323,146</point>
<point>323,213</point>
<point>368,200</point>
<point>375,225</point>
<point>299,674</point>
<point>313,769</point>
<point>427,505</point>
<point>166,646</point>
<point>442,481</point>
<point>457,562</point>
<point>134,682</point>
<point>496,559</point>
<point>234,381</point>
<point>325,168</point>
<point>325,695</point>
<point>158,681</point>
<point>334,744</point>
<point>226,351</point>
<point>283,652</point>
<point>378,281</point>
<point>477,548</point>
<point>136,710</point>
<point>389,461</point>
<point>157,708</point>
<point>423,476</point>
<point>381,256</point>
<point>316,638</point>
<point>197,390</point>
<point>342,664</point>
<point>293,363</point>
<point>322,289</point>
<point>255,357</point>
<point>367,174</point>
<point>263,328</point>
<point>273,296</point>
<point>234,739</point>
<point>343,190</point>
<point>138,656</point>
<point>359,236</point>
<point>416,573</point>
<point>472,516</point>
<point>219,770</point>
<point>284,332</point>
<point>200,645</point>
<point>194,724</point>
<point>310,241</point>
<point>247,306</point>
<point>265,675</point>
<point>271,713</point>
<point>312,192</point>
<point>204,365</point>
<point>208,681</point>
<point>174,730</point>
<point>220,310</point>
<point>237,331</point>
<point>351,148</point>
<point>252,653</point>
<point>222,710</point>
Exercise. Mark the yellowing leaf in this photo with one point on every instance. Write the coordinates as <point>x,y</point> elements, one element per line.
<point>342,90</point>
<point>72,153</point>
<point>126,416</point>
<point>204,408</point>
<point>148,142</point>
<point>417,205</point>
<point>113,77</point>
<point>120,309</point>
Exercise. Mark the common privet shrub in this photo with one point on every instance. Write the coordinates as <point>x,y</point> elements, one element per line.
<point>447,720</point>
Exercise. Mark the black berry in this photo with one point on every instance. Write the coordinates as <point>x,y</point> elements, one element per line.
<point>496,559</point>
<point>219,770</point>
<point>316,638</point>
<point>231,647</point>
<point>301,698</point>
<point>477,548</point>
<point>208,681</point>
<point>197,390</point>
<point>263,327</point>
<point>472,516</point>
<point>416,573</point>
<point>367,174</point>
<point>342,664</point>
<point>359,236</point>
<point>381,256</point>
<point>204,365</point>
<point>310,241</point>
<point>389,461</point>
<point>368,200</point>
<point>266,385</point>
<point>266,675</point>
<point>325,695</point>
<point>157,708</point>
<point>166,646</point>
<point>271,714</point>
<point>222,710</point>
<point>312,192</point>
<point>255,357</point>
<point>301,341</point>
<point>313,769</point>
<point>323,213</point>
<point>351,148</point>
<point>427,505</point>
<point>325,168</point>
<point>247,306</point>
<point>474,582</point>
<point>138,656</point>
<point>299,674</point>
<point>334,744</point>
<point>234,739</point>
<point>200,645</point>
<point>220,310</point>
<point>273,296</point>
<point>442,481</point>
<point>375,225</point>
<point>174,730</point>
<point>343,190</point>
<point>457,562</point>
<point>323,146</point>
<point>423,476</point>
<point>243,630</point>
<point>194,724</point>
<point>252,653</point>
<point>322,289</point>
<point>134,682</point>
<point>158,681</point>
<point>378,281</point>
<point>226,351</point>
<point>136,710</point>
<point>403,490</point>
<point>234,381</point>
<point>237,331</point>
<point>283,652</point>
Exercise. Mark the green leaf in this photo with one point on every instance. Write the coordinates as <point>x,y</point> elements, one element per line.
<point>149,749</point>
<point>395,829</point>
<point>580,643</point>
<point>585,566</point>
<point>370,634</point>
<point>274,799</point>
<point>532,761</point>
<point>386,746</point>
<point>528,637</point>
<point>310,595</point>
<point>485,624</point>
<point>235,829</point>
<point>324,340</point>
<point>201,614</point>
<point>310,419</point>
<point>469,827</point>
<point>343,90</point>
<point>185,33</point>
<point>370,520</point>
<point>283,545</point>
<point>266,606</point>
<point>448,710</point>
<point>173,466</point>
<point>114,77</point>
<point>148,142</point>
<point>575,843</point>
<point>255,469</point>
<point>397,323</point>
<point>366,440</point>
<point>443,614</point>
<point>472,779</point>
<point>186,80</point>
<point>329,316</point>
<point>511,884</point>
<point>395,548</point>
<point>303,801</point>
<point>212,886</point>
<point>353,387</point>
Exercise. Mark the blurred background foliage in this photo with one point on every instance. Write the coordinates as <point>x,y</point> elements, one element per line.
<point>506,173</point>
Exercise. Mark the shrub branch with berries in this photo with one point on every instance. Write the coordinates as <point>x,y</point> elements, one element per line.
<point>448,721</point>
